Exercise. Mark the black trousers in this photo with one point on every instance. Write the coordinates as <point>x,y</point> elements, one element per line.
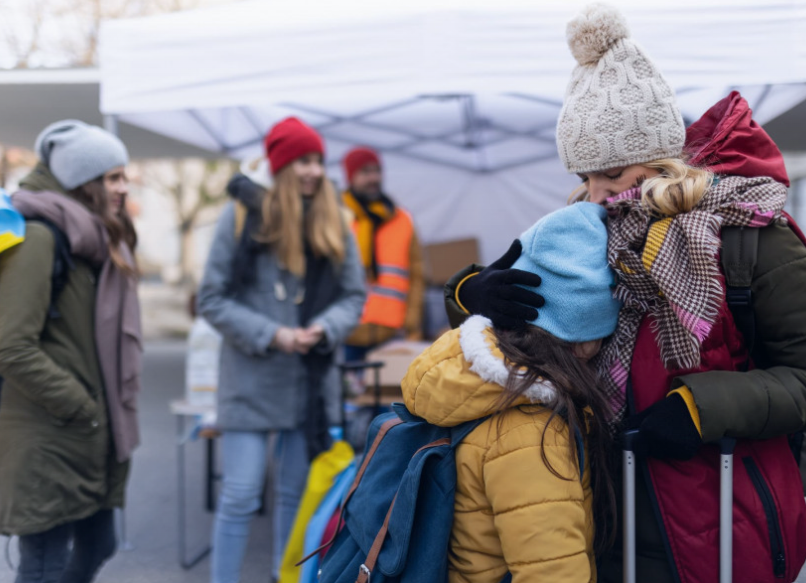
<point>69,553</point>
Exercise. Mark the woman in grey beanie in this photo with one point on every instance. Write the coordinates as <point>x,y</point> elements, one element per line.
<point>70,352</point>
<point>710,340</point>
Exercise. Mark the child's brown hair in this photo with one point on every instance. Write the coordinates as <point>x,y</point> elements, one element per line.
<point>533,354</point>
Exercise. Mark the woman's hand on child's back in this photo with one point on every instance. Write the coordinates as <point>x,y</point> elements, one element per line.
<point>496,292</point>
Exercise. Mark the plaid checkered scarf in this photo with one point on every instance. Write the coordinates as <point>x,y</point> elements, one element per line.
<point>669,268</point>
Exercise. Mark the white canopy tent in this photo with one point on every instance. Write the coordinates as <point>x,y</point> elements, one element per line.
<point>461,96</point>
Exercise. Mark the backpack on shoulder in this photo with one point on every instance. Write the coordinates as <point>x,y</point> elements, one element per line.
<point>739,257</point>
<point>398,513</point>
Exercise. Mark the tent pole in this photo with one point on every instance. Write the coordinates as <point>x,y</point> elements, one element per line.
<point>111,124</point>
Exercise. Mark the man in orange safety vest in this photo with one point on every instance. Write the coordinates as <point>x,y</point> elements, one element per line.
<point>390,253</point>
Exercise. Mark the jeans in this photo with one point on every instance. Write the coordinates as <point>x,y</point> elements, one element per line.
<point>47,558</point>
<point>243,458</point>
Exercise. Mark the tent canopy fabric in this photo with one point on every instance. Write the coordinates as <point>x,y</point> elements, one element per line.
<point>461,97</point>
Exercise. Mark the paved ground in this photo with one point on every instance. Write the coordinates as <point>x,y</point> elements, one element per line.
<point>152,512</point>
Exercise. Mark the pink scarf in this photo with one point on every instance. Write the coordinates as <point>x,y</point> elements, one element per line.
<point>117,310</point>
<point>669,268</point>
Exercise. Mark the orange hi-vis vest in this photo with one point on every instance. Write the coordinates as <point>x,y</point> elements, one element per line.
<point>387,296</point>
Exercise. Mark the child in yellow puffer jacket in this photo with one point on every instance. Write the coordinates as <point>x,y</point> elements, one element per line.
<point>521,505</point>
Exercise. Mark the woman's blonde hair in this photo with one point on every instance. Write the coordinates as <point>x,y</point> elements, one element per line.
<point>283,227</point>
<point>677,189</point>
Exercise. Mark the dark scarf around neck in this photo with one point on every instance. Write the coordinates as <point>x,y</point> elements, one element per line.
<point>322,288</point>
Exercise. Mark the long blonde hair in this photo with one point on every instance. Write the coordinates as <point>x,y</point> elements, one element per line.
<point>677,189</point>
<point>283,227</point>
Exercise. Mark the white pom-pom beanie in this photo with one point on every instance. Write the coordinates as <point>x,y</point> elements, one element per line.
<point>618,109</point>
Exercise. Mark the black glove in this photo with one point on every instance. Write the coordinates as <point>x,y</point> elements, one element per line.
<point>496,293</point>
<point>666,430</point>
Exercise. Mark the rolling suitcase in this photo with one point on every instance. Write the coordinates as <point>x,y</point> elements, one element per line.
<point>727,446</point>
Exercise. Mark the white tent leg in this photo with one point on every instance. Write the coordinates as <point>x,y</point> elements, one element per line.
<point>111,124</point>
<point>124,544</point>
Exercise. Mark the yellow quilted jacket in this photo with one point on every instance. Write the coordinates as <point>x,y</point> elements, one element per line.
<point>511,512</point>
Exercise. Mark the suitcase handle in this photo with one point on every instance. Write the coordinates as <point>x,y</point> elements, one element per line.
<point>726,448</point>
<point>628,519</point>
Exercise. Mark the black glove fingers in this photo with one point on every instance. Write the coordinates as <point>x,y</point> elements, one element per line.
<point>520,277</point>
<point>513,309</point>
<point>508,258</point>
<point>523,296</point>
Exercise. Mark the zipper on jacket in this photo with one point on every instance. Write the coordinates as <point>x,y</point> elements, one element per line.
<point>774,527</point>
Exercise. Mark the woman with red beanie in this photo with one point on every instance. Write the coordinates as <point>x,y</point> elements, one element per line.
<point>284,286</point>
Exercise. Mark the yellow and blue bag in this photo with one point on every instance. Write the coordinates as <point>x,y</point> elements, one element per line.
<point>12,223</point>
<point>324,470</point>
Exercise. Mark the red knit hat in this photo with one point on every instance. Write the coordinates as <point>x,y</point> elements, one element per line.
<point>291,139</point>
<point>356,159</point>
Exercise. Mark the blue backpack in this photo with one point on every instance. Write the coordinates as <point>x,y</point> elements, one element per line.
<point>398,513</point>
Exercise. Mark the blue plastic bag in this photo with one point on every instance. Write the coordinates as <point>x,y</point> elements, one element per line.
<point>318,524</point>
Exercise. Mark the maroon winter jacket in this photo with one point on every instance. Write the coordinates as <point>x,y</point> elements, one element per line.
<point>769,529</point>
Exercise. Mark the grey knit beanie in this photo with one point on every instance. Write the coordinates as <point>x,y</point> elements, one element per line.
<point>618,109</point>
<point>77,153</point>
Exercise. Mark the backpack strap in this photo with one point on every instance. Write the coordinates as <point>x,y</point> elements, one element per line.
<point>62,265</point>
<point>739,257</point>
<point>393,422</point>
<point>240,218</point>
<point>365,570</point>
<point>461,431</point>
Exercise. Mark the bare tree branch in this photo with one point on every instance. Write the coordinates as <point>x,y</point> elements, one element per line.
<point>192,187</point>
<point>24,42</point>
<point>73,30</point>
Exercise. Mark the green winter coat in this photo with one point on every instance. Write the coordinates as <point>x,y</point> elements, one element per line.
<point>763,403</point>
<point>57,461</point>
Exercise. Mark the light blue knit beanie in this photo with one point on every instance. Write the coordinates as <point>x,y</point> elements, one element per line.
<point>77,153</point>
<point>568,250</point>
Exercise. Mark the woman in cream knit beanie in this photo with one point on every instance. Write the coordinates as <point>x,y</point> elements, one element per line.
<point>676,366</point>
<point>620,130</point>
<point>619,116</point>
<point>618,109</point>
